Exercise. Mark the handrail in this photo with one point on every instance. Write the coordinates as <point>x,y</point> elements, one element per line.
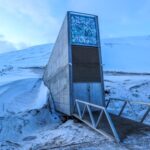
<point>90,104</point>
<point>94,123</point>
<point>129,102</point>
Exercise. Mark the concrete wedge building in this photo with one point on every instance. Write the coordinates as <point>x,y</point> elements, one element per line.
<point>74,70</point>
<point>74,77</point>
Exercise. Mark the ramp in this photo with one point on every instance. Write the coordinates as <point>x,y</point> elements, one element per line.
<point>94,116</point>
<point>110,125</point>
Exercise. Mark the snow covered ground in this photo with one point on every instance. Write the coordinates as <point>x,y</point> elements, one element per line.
<point>27,123</point>
<point>23,97</point>
<point>128,87</point>
<point>21,86</point>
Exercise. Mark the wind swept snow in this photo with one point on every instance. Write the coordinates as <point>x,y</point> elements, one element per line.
<point>21,85</point>
<point>23,98</point>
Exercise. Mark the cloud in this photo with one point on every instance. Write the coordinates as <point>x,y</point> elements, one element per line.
<point>144,11</point>
<point>37,10</point>
<point>6,46</point>
<point>38,21</point>
<point>35,18</point>
<point>1,36</point>
<point>21,45</point>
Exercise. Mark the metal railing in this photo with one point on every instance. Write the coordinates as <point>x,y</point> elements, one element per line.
<point>129,103</point>
<point>94,123</point>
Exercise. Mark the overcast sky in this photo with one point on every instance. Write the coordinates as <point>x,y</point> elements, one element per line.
<point>31,22</point>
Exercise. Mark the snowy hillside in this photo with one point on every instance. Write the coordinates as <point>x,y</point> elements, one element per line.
<point>21,86</point>
<point>36,56</point>
<point>130,54</point>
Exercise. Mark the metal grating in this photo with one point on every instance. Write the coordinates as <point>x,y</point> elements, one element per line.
<point>86,66</point>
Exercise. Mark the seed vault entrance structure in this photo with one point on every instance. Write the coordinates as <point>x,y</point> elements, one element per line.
<point>74,69</point>
<point>74,77</point>
<point>74,73</point>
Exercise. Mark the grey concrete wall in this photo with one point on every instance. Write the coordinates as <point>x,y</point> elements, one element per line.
<point>56,76</point>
